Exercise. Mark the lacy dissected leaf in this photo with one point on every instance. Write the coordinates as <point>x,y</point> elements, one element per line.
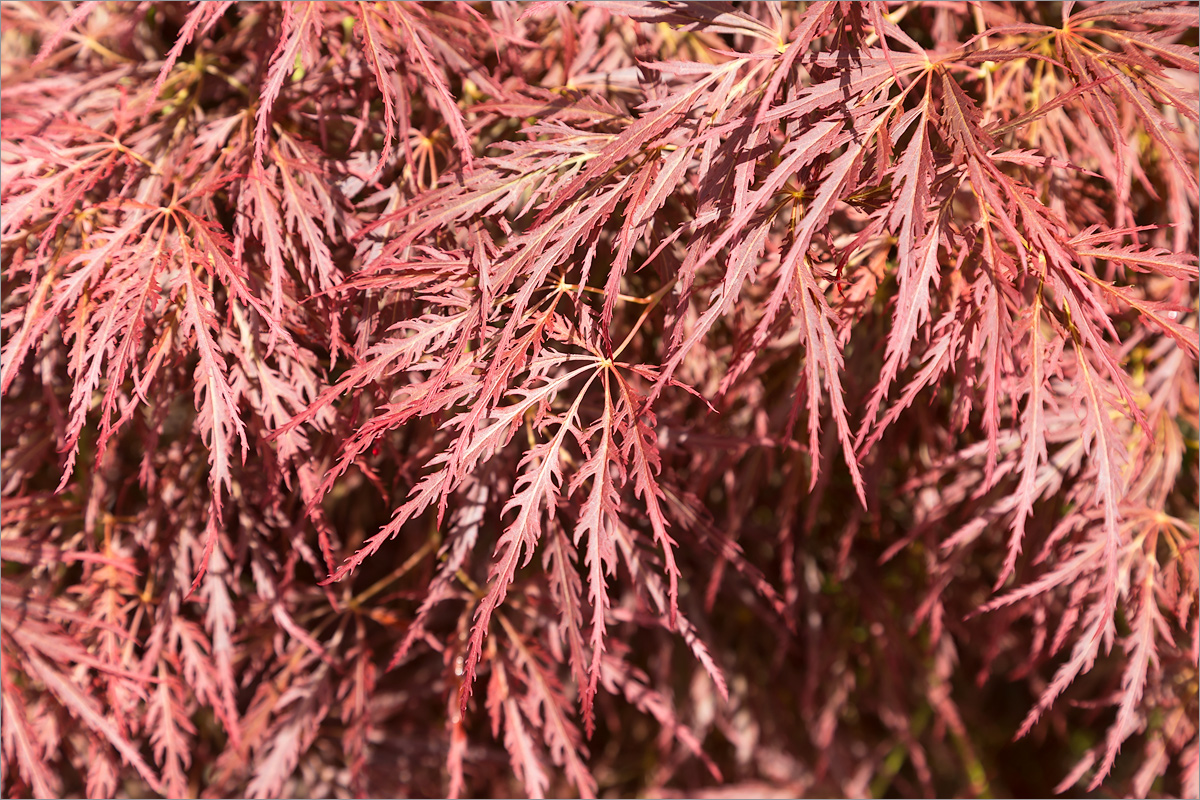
<point>358,354</point>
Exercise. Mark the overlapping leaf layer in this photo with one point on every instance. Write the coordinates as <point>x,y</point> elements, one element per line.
<point>599,398</point>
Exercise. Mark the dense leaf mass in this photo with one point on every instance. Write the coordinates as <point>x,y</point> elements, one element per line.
<point>620,398</point>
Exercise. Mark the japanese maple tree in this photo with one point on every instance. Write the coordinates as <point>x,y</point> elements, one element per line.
<point>670,398</point>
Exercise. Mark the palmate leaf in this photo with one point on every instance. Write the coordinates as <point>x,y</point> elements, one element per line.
<point>214,400</point>
<point>382,63</point>
<point>355,353</point>
<point>411,21</point>
<point>464,525</point>
<point>300,709</point>
<point>171,736</point>
<point>1141,645</point>
<point>634,685</point>
<point>526,763</point>
<point>913,175</point>
<point>263,207</point>
<point>1033,432</point>
<point>676,622</point>
<point>451,468</point>
<point>597,520</point>
<point>917,250</point>
<point>640,451</point>
<point>294,51</point>
<point>88,711</point>
<point>384,30</point>
<point>537,492</point>
<point>543,705</point>
<point>560,559</point>
<point>742,258</point>
<point>200,20</point>
<point>21,745</point>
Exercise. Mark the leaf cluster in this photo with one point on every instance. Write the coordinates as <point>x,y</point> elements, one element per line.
<point>418,398</point>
